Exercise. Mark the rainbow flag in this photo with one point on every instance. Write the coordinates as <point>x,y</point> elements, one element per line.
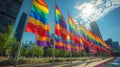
<point>58,38</point>
<point>72,27</point>
<point>92,38</point>
<point>62,35</point>
<point>44,40</point>
<point>37,22</point>
<point>67,45</point>
<point>77,44</point>
<point>81,30</point>
<point>38,18</point>
<point>73,34</point>
<point>81,45</point>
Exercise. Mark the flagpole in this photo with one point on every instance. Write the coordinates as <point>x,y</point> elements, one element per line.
<point>80,42</point>
<point>65,49</point>
<point>54,34</point>
<point>20,40</point>
<point>71,51</point>
<point>71,42</point>
<point>33,46</point>
<point>52,42</point>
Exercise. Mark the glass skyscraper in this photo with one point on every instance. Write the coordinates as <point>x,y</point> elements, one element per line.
<point>114,44</point>
<point>95,29</point>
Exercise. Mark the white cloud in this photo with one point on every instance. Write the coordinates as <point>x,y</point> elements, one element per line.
<point>99,9</point>
<point>98,2</point>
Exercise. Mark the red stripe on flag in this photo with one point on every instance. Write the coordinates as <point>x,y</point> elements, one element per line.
<point>35,29</point>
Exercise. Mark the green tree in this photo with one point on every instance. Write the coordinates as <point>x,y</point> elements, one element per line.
<point>24,51</point>
<point>32,49</point>
<point>5,38</point>
<point>62,53</point>
<point>38,52</point>
<point>68,53</point>
<point>14,47</point>
<point>57,52</point>
<point>2,44</point>
<point>50,52</point>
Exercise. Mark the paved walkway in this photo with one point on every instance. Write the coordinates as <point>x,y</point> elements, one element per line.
<point>88,63</point>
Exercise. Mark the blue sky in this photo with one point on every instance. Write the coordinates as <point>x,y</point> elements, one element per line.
<point>110,25</point>
<point>107,19</point>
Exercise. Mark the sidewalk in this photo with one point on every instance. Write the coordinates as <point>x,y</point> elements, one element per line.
<point>92,63</point>
<point>88,63</point>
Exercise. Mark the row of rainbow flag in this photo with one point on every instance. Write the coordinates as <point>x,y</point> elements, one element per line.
<point>64,39</point>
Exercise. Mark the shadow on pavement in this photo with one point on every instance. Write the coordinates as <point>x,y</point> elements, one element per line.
<point>78,63</point>
<point>73,64</point>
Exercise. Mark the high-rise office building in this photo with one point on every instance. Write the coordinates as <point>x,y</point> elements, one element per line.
<point>95,29</point>
<point>109,42</point>
<point>114,45</point>
<point>8,12</point>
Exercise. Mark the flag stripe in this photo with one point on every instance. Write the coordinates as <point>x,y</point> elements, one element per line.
<point>68,47</point>
<point>42,3</point>
<point>41,7</point>
<point>58,36</point>
<point>72,24</point>
<point>43,38</point>
<point>43,14</point>
<point>35,29</point>
<point>57,26</point>
<point>59,44</point>
<point>57,32</point>
<point>43,43</point>
<point>58,12</point>
<point>38,17</point>
<point>58,17</point>
<point>61,22</point>
<point>58,40</point>
<point>72,27</point>
<point>37,22</point>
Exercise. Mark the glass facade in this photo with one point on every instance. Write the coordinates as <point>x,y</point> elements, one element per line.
<point>21,26</point>
<point>8,12</point>
<point>95,29</point>
<point>115,45</point>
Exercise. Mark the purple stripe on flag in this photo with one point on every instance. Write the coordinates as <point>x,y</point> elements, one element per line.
<point>43,43</point>
<point>58,47</point>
